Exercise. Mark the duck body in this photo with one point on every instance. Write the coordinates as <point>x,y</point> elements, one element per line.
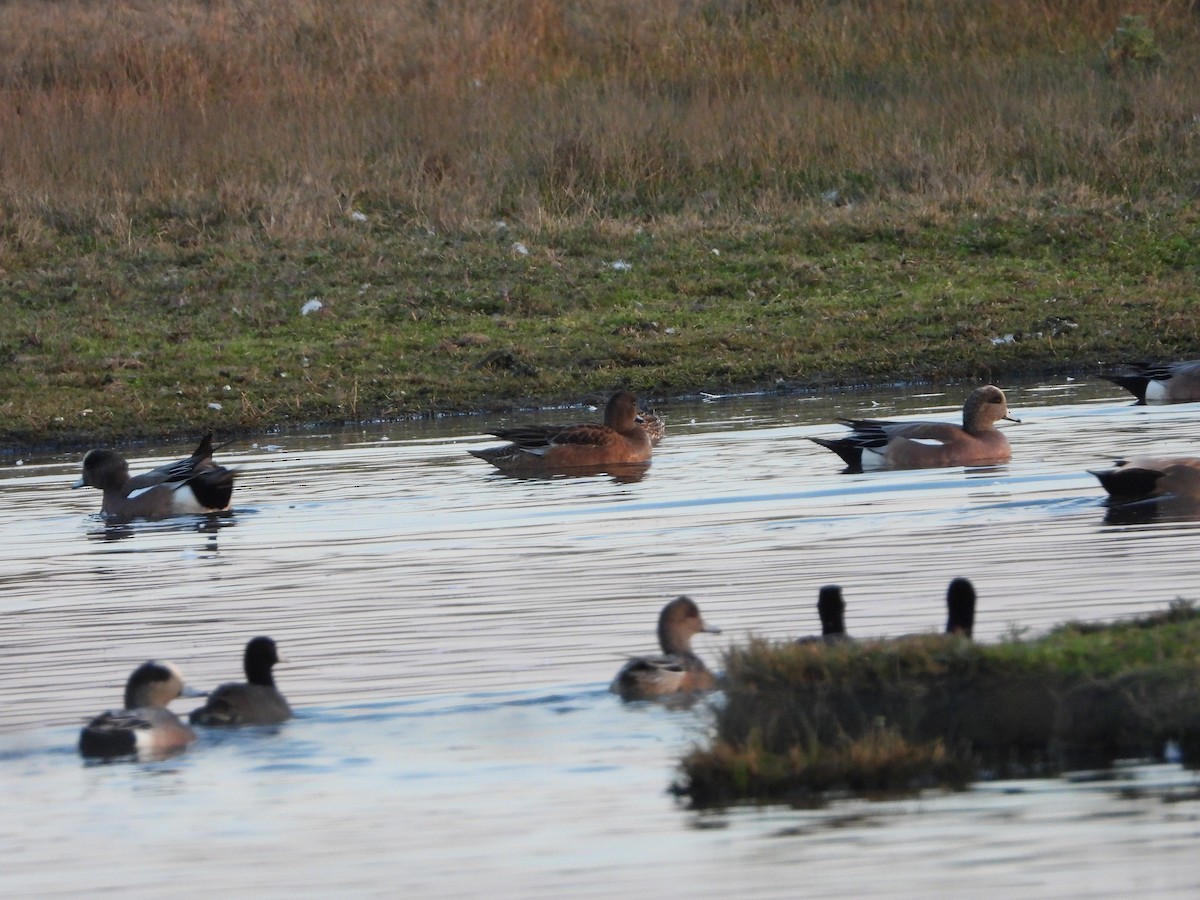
<point>621,440</point>
<point>195,485</point>
<point>678,670</point>
<point>1177,382</point>
<point>145,726</point>
<point>884,444</point>
<point>645,677</point>
<point>256,701</point>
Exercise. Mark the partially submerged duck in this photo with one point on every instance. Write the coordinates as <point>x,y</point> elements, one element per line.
<point>831,608</point>
<point>187,486</point>
<point>256,701</point>
<point>653,424</point>
<point>960,607</point>
<point>1177,382</point>
<point>538,448</point>
<point>1152,479</point>
<point>678,670</point>
<point>145,726</point>
<point>879,443</point>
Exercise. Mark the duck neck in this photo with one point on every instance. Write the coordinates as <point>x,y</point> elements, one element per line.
<point>673,644</point>
<point>259,673</point>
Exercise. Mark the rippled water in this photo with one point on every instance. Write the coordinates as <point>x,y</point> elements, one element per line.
<point>451,632</point>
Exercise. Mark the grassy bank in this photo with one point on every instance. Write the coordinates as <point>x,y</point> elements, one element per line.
<point>513,202</point>
<point>885,716</point>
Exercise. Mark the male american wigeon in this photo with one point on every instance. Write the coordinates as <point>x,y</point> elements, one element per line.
<point>619,441</point>
<point>192,485</point>
<point>831,609</point>
<point>678,670</point>
<point>1177,382</point>
<point>877,444</point>
<point>256,701</point>
<point>960,607</point>
<point>145,726</point>
<point>1150,478</point>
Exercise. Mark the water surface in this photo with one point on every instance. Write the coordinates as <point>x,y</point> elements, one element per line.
<point>451,631</point>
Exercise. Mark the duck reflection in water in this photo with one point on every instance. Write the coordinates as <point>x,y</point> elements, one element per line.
<point>210,526</point>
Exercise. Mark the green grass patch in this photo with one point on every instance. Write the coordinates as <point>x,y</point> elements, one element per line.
<point>151,339</point>
<point>806,194</point>
<point>798,721</point>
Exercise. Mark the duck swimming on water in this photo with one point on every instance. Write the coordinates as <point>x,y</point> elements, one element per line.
<point>678,670</point>
<point>256,701</point>
<point>884,444</point>
<point>621,440</point>
<point>145,726</point>
<point>187,486</point>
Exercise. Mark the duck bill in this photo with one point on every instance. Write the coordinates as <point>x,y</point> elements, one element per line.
<point>78,484</point>
<point>1013,419</point>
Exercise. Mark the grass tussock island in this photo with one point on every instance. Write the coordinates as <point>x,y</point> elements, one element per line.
<point>513,201</point>
<point>799,721</point>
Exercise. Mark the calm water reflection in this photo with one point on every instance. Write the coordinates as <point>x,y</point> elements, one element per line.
<point>451,632</point>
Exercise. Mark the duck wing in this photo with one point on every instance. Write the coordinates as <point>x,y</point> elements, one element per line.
<point>647,676</point>
<point>877,432</point>
<point>178,470</point>
<point>112,733</point>
<point>537,438</point>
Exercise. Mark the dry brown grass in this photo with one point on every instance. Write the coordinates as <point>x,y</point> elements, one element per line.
<point>177,116</point>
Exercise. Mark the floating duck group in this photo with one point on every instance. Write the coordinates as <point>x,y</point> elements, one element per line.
<point>626,438</point>
<point>145,727</point>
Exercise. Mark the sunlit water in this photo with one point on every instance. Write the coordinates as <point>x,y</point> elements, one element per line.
<point>451,633</point>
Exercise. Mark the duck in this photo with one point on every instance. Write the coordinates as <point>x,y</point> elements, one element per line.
<point>831,609</point>
<point>879,444</point>
<point>187,486</point>
<point>678,670</point>
<point>653,424</point>
<point>145,726</point>
<point>1177,382</point>
<point>1151,478</point>
<point>619,441</point>
<point>256,701</point>
<point>960,608</point>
